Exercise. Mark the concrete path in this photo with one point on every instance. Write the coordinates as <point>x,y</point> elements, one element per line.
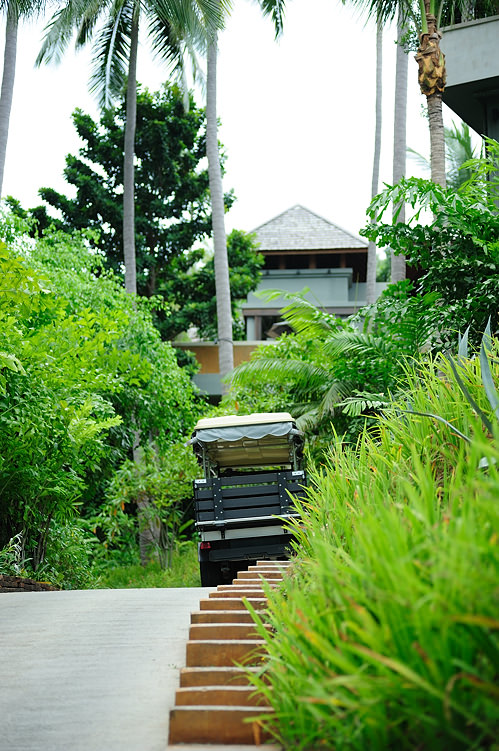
<point>91,670</point>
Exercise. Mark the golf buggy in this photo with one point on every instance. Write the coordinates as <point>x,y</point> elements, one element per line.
<point>252,469</point>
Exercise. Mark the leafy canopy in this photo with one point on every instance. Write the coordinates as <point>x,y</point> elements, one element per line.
<point>172,207</point>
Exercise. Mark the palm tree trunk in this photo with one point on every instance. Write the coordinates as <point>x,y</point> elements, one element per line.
<point>398,270</point>
<point>9,71</point>
<point>437,139</point>
<point>371,248</point>
<point>128,162</point>
<point>222,280</point>
<point>431,76</point>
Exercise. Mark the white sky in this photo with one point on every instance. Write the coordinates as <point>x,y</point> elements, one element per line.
<point>297,114</point>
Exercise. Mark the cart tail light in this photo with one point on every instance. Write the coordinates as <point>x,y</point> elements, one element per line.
<point>205,545</point>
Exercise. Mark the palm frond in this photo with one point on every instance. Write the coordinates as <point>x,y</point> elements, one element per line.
<point>422,162</point>
<point>303,316</point>
<point>305,377</point>
<point>167,45</point>
<point>88,21</point>
<point>337,391</point>
<point>111,54</point>
<point>60,30</point>
<point>384,11</point>
<point>194,21</point>
<point>308,420</point>
<point>362,401</point>
<point>275,9</point>
<point>355,343</point>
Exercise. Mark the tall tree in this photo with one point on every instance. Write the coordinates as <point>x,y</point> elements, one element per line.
<point>274,8</point>
<point>14,10</point>
<point>171,25</point>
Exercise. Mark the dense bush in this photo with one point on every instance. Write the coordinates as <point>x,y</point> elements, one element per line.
<point>385,636</point>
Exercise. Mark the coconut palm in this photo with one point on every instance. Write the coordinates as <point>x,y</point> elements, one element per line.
<point>172,25</point>
<point>371,249</point>
<point>274,8</point>
<point>14,10</point>
<point>384,11</point>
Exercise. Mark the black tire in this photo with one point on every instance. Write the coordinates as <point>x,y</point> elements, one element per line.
<point>211,574</point>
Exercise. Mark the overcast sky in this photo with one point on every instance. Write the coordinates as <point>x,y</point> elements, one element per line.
<point>297,114</point>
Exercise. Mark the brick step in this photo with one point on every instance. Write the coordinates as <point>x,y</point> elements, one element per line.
<point>229,696</point>
<point>219,725</point>
<point>213,676</point>
<point>221,616</point>
<point>232,603</point>
<point>207,631</point>
<point>224,652</point>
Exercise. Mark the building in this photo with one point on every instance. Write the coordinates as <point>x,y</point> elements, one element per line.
<point>302,250</point>
<point>304,253</point>
<point>472,61</point>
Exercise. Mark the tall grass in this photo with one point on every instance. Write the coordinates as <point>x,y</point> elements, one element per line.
<point>385,636</point>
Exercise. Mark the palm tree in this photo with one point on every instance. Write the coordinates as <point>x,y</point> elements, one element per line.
<point>397,265</point>
<point>274,8</point>
<point>459,149</point>
<point>14,11</point>
<point>172,24</point>
<point>432,76</point>
<point>371,249</point>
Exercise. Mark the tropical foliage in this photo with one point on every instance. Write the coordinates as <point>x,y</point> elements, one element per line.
<point>457,254</point>
<point>327,360</point>
<point>82,371</point>
<point>385,634</point>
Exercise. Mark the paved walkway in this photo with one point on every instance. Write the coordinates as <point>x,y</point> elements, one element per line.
<point>91,670</point>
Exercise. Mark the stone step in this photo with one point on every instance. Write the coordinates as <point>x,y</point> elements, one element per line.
<point>221,616</point>
<point>229,696</point>
<point>232,603</point>
<point>213,676</point>
<point>224,652</point>
<point>217,725</point>
<point>207,631</point>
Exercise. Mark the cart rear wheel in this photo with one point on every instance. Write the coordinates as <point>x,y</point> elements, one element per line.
<point>211,574</point>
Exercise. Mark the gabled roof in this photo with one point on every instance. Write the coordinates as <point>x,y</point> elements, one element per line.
<point>301,229</point>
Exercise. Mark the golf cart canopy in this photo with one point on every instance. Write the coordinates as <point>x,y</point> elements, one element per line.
<point>260,439</point>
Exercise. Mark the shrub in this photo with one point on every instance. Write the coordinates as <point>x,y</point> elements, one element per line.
<point>385,636</point>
